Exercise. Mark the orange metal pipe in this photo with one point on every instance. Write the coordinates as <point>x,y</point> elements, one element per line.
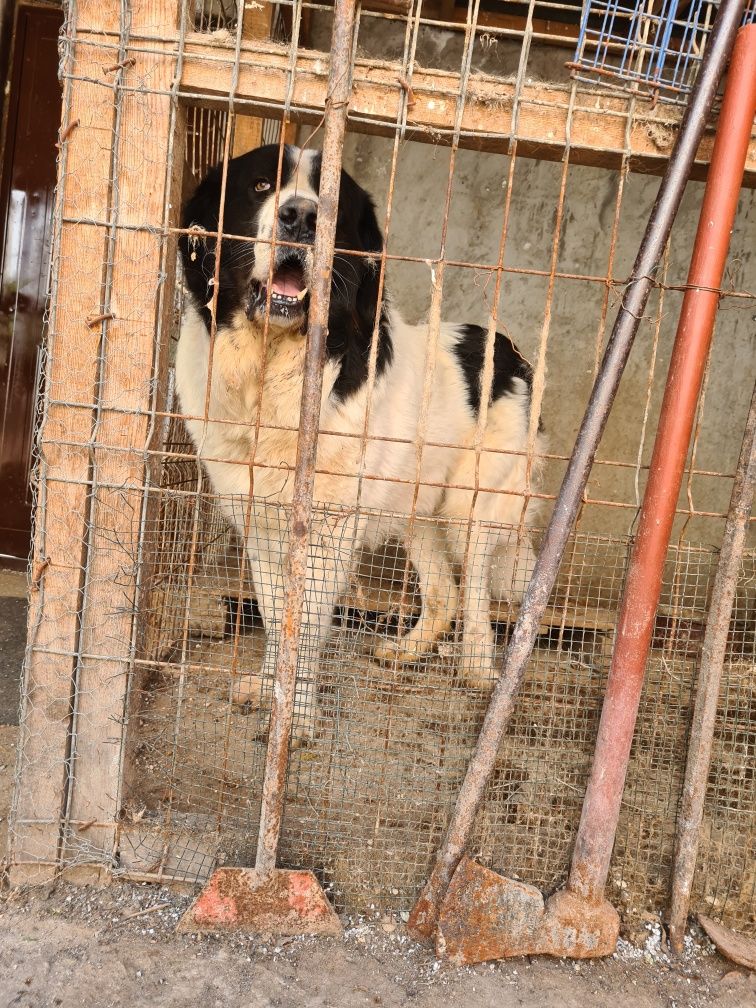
<point>593,847</point>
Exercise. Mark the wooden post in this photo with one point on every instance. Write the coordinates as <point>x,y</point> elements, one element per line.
<point>256,25</point>
<point>84,192</point>
<point>149,165</point>
<point>110,318</point>
<point>604,130</point>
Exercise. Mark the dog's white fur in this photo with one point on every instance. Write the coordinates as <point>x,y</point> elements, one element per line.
<point>243,407</point>
<point>251,467</point>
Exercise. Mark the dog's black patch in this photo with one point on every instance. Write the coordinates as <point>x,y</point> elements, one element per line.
<point>354,292</point>
<point>241,209</point>
<point>508,364</point>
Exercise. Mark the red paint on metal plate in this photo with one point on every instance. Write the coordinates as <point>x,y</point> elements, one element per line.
<point>277,903</point>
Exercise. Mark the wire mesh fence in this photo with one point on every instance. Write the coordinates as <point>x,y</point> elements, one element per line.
<point>652,49</point>
<point>367,801</point>
<point>148,677</point>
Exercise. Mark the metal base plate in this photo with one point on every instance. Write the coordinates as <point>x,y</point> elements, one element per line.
<point>278,903</point>
<point>485,916</point>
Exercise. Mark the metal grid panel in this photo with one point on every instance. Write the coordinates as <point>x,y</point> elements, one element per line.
<point>648,48</point>
<point>367,802</point>
<point>369,797</point>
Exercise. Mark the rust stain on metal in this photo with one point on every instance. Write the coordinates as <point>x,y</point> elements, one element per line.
<point>94,320</point>
<point>66,133</point>
<point>598,823</point>
<point>278,902</point>
<point>282,711</point>
<point>423,920</point>
<point>568,502</point>
<point>125,65</point>
<point>486,917</point>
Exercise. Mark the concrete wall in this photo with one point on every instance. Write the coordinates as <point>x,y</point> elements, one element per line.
<point>575,333</point>
<point>575,330</point>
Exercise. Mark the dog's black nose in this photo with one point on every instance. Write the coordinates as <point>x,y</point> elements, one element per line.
<point>297,218</point>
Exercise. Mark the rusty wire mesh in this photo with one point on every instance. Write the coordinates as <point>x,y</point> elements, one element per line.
<point>540,246</point>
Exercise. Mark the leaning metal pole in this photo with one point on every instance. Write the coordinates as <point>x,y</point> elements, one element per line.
<point>295,573</point>
<point>424,916</point>
<point>266,899</point>
<point>709,679</point>
<point>635,624</point>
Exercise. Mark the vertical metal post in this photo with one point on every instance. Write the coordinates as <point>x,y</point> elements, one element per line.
<point>598,823</point>
<point>709,678</point>
<point>339,90</point>
<point>425,913</point>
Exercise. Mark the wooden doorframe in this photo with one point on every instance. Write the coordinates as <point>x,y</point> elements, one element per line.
<point>8,21</point>
<point>10,13</point>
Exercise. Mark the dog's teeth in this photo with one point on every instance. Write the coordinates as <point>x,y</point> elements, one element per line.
<point>300,296</point>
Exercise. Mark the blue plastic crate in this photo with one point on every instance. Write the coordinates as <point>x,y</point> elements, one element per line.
<point>650,48</point>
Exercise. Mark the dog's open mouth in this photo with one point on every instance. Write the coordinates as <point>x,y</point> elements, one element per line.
<point>288,288</point>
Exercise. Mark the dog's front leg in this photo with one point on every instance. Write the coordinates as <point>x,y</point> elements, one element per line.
<point>327,569</point>
<point>426,548</point>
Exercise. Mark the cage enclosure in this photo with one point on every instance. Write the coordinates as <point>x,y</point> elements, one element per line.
<point>510,195</point>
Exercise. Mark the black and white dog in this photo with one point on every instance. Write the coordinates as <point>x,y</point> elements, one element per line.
<point>243,402</point>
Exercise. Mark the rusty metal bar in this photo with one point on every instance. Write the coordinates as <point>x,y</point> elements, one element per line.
<point>274,783</point>
<point>598,822</point>
<point>709,677</point>
<point>425,913</point>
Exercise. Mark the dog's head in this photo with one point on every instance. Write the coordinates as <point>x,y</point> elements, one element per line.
<point>251,273</point>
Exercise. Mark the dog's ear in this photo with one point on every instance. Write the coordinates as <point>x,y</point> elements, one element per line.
<point>368,230</point>
<point>201,214</point>
<point>371,240</point>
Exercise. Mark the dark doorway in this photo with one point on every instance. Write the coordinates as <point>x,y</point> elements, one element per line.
<point>33,109</point>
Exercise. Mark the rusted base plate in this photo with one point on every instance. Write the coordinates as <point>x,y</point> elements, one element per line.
<point>277,903</point>
<point>485,916</point>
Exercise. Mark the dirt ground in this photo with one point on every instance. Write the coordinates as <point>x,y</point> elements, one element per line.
<point>117,946</point>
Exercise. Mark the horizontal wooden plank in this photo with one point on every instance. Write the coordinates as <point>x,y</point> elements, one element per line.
<point>600,127</point>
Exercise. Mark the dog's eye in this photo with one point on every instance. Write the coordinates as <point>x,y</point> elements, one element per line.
<point>262,185</point>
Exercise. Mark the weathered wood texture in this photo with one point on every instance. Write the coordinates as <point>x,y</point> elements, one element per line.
<point>60,527</point>
<point>599,127</point>
<point>248,129</point>
<point>116,167</point>
<point>149,158</point>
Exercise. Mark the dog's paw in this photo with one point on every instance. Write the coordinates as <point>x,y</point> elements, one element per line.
<point>477,667</point>
<point>303,732</point>
<point>402,650</point>
<point>247,692</point>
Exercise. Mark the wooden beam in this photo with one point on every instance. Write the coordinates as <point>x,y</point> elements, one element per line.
<point>601,126</point>
<point>62,485</point>
<point>109,338</point>
<point>255,25</point>
<point>148,164</point>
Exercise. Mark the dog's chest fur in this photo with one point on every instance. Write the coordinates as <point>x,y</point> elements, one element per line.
<point>257,381</point>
